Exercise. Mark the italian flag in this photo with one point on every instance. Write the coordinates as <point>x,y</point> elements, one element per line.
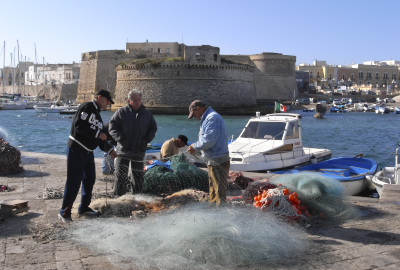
<point>279,107</point>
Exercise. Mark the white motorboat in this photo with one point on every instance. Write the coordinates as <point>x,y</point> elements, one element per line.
<point>273,142</point>
<point>12,105</point>
<point>387,175</point>
<point>54,108</point>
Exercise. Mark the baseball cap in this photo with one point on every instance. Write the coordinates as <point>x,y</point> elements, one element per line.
<point>183,138</point>
<point>193,105</point>
<point>106,94</point>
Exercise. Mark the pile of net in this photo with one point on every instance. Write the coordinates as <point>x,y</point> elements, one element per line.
<point>160,180</point>
<point>322,196</point>
<point>10,159</point>
<point>299,197</point>
<point>139,206</point>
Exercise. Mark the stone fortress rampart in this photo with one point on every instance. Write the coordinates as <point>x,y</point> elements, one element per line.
<point>177,85</point>
<point>229,81</point>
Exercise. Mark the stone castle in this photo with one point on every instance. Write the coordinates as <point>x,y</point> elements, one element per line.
<point>171,75</point>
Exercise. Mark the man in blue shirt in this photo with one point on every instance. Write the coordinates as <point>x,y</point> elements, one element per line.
<point>213,144</point>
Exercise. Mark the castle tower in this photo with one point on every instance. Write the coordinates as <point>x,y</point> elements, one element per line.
<point>275,76</point>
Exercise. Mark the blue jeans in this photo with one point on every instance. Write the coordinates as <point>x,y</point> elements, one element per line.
<point>80,169</point>
<point>107,164</point>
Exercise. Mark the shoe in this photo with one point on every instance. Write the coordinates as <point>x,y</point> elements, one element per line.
<point>90,213</point>
<point>64,219</point>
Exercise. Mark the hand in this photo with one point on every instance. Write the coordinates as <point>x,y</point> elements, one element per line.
<point>191,149</point>
<point>113,154</point>
<point>103,136</point>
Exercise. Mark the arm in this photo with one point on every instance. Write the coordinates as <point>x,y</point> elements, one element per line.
<point>85,122</point>
<point>115,127</point>
<point>209,136</point>
<point>151,131</point>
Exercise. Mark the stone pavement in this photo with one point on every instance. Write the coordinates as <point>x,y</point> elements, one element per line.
<point>370,242</point>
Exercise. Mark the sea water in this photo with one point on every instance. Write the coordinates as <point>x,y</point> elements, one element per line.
<point>345,134</point>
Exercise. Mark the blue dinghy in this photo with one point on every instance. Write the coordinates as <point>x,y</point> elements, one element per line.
<point>350,171</point>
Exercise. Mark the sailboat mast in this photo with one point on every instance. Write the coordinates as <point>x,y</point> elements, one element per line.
<point>36,73</point>
<point>4,63</point>
<point>19,71</point>
<point>13,73</point>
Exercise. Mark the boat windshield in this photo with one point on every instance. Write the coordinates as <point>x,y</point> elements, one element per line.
<point>264,130</point>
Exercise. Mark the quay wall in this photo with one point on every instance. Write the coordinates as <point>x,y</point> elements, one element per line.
<point>47,91</point>
<point>176,85</point>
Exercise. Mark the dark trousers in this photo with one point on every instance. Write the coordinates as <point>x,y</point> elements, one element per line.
<point>121,175</point>
<point>80,169</point>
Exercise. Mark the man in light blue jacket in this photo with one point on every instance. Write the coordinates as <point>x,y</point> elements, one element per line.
<point>213,144</point>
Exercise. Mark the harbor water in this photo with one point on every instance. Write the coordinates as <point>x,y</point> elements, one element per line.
<point>345,134</point>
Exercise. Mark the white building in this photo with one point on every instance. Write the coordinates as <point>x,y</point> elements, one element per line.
<point>53,74</point>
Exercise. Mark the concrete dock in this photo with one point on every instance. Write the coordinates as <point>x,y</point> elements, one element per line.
<point>369,242</point>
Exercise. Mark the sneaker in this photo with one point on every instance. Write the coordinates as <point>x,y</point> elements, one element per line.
<point>64,219</point>
<point>90,213</point>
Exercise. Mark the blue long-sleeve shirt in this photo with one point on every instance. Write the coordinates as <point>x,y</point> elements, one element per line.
<point>213,137</point>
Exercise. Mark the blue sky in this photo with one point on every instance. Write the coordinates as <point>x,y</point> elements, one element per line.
<point>340,32</point>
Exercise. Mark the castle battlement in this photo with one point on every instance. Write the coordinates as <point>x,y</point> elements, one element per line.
<point>184,65</point>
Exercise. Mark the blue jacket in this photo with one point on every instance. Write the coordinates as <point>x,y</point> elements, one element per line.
<point>213,138</point>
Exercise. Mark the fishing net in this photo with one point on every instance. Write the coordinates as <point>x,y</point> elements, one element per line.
<point>10,159</point>
<point>140,206</point>
<point>181,175</point>
<point>195,237</point>
<point>322,195</point>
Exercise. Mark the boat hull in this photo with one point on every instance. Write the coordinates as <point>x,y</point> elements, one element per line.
<point>351,172</point>
<point>281,161</point>
<point>382,177</point>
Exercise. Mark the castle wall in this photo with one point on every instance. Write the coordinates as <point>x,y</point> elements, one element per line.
<point>255,79</point>
<point>98,72</point>
<point>275,77</point>
<point>177,85</point>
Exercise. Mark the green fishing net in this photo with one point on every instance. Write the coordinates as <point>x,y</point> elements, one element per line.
<point>159,180</point>
<point>322,195</point>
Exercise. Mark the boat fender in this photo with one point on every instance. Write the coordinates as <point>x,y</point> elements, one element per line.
<point>313,159</point>
<point>359,156</point>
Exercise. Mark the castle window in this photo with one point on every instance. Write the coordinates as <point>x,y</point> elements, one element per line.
<point>159,50</point>
<point>168,50</point>
<point>215,57</point>
<point>151,50</point>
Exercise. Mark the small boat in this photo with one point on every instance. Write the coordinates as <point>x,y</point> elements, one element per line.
<point>338,109</point>
<point>12,105</point>
<point>387,175</point>
<point>54,108</point>
<point>350,171</point>
<point>382,109</point>
<point>272,142</point>
<point>68,111</point>
<point>396,110</point>
<point>309,110</point>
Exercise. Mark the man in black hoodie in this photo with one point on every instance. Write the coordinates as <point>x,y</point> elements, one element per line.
<point>132,127</point>
<point>87,132</point>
